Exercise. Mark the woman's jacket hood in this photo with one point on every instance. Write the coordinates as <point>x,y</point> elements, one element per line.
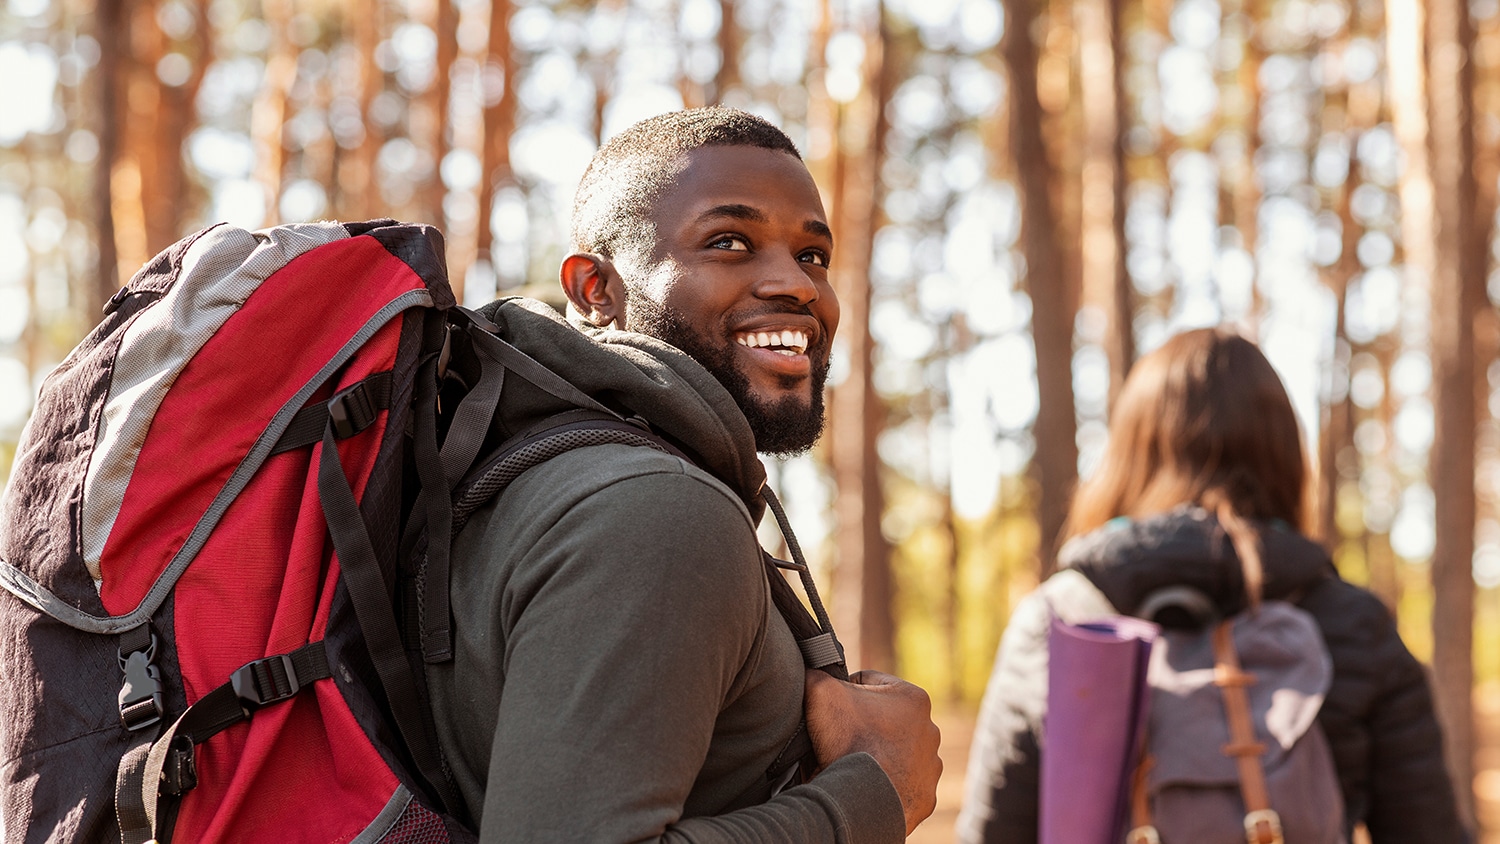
<point>1128,559</point>
<point>636,375</point>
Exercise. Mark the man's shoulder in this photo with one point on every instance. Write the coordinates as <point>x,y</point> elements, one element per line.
<point>602,469</point>
<point>631,522</point>
<point>616,483</point>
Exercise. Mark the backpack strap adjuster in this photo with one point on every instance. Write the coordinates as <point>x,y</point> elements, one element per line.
<point>265,681</point>
<point>1263,826</point>
<point>351,411</point>
<point>179,773</point>
<point>141,692</point>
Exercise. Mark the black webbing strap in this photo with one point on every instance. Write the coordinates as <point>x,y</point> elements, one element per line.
<point>166,766</point>
<point>466,432</point>
<point>135,805</point>
<point>253,685</point>
<point>373,609</point>
<point>135,639</point>
<point>534,371</point>
<point>352,410</point>
<point>815,637</point>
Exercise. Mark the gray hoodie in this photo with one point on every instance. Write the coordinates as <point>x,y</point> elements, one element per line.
<point>620,673</point>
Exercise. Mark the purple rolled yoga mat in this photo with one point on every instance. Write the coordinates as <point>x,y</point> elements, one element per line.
<point>1096,712</point>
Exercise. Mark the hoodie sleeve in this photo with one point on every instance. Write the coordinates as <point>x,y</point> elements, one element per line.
<point>1380,723</point>
<point>1001,787</point>
<point>637,619</point>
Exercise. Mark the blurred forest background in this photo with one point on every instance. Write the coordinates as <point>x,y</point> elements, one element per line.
<point>1026,197</point>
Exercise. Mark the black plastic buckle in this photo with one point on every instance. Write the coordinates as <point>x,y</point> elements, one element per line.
<point>116,300</point>
<point>140,693</point>
<point>269,680</point>
<point>180,773</point>
<point>351,411</point>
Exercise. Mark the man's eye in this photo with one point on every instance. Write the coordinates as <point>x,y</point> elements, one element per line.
<point>731,242</point>
<point>816,257</point>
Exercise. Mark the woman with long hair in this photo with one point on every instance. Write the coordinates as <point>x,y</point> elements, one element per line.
<point>1204,447</point>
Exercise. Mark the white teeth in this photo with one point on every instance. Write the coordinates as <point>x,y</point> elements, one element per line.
<point>788,342</point>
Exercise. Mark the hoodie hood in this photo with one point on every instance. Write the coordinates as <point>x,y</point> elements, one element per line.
<point>636,375</point>
<point>1128,559</point>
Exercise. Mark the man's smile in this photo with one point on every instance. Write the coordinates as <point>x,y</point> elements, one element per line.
<point>791,341</point>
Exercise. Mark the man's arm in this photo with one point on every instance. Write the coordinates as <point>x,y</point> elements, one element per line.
<point>626,633</point>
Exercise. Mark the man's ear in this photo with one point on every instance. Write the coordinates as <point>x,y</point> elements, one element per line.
<point>594,289</point>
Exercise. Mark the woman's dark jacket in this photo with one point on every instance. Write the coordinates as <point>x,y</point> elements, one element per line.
<point>1378,715</point>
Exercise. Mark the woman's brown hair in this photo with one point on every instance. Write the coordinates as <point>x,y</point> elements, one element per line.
<point>1202,420</point>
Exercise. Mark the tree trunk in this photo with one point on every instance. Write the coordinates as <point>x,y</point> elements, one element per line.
<point>268,114</point>
<point>862,584</point>
<point>436,135</point>
<point>1053,300</point>
<point>109,21</point>
<point>729,53</point>
<point>1459,263</point>
<point>358,197</point>
<point>165,184</point>
<point>1247,185</point>
<point>1337,436</point>
<point>499,125</point>
<point>1106,284</point>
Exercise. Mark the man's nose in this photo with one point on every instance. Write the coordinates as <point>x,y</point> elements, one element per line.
<point>784,277</point>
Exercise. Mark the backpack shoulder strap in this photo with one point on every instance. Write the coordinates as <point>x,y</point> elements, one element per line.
<point>543,441</point>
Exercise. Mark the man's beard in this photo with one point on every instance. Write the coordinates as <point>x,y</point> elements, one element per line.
<point>785,427</point>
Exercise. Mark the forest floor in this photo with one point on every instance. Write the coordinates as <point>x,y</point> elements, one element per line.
<point>957,725</point>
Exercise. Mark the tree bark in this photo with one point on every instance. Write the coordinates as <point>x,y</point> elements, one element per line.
<point>438,137</point>
<point>499,125</point>
<point>729,37</point>
<point>1053,299</point>
<point>862,583</point>
<point>109,21</point>
<point>165,194</point>
<point>1459,264</point>
<point>1337,436</point>
<point>1247,186</point>
<point>358,197</point>
<point>1106,283</point>
<point>269,112</point>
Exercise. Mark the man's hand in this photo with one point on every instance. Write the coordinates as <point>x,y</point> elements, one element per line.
<point>887,718</point>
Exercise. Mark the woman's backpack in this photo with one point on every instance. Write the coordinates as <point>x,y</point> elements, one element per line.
<point>1234,752</point>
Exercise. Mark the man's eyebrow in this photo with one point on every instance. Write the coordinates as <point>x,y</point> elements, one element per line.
<point>737,212</point>
<point>752,214</point>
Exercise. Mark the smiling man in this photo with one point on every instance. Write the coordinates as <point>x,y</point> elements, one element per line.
<point>621,672</point>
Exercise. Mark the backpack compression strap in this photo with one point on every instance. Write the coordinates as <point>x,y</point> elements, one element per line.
<point>1262,824</point>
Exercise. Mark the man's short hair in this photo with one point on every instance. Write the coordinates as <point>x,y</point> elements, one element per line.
<point>611,211</point>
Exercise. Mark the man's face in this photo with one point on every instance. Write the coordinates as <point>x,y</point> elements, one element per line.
<point>738,280</point>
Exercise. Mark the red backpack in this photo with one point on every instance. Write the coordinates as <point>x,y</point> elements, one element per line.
<point>204,510</point>
<point>222,524</point>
